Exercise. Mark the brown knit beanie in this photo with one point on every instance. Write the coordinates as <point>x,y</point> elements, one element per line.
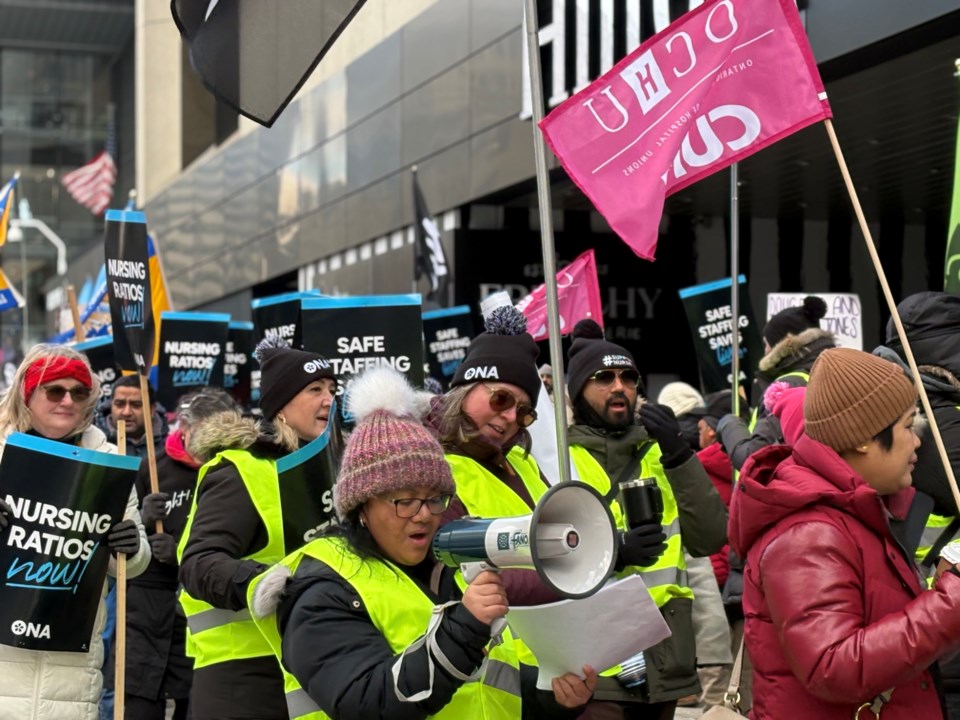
<point>389,448</point>
<point>852,396</point>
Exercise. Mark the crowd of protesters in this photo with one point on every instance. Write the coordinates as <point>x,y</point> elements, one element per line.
<point>801,526</point>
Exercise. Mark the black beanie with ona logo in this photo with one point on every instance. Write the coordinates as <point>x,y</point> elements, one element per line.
<point>504,353</point>
<point>284,372</point>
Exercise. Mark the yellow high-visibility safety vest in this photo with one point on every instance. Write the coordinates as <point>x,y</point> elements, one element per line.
<point>484,495</point>
<point>401,611</point>
<point>216,635</point>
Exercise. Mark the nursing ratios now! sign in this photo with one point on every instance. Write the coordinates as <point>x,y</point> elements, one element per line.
<point>192,353</point>
<point>721,83</point>
<point>53,557</point>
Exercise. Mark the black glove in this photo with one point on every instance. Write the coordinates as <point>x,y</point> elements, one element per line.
<point>164,548</point>
<point>5,510</point>
<point>642,545</point>
<point>124,537</point>
<point>662,425</point>
<point>153,508</point>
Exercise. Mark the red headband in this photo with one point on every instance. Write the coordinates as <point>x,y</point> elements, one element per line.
<point>55,367</point>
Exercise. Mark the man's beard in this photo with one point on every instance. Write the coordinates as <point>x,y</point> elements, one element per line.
<point>585,414</point>
<point>618,421</point>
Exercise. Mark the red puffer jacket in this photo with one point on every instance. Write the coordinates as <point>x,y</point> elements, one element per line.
<point>720,471</point>
<point>835,611</point>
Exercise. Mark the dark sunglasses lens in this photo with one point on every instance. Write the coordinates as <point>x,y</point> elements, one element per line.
<point>604,377</point>
<point>55,393</point>
<point>501,400</point>
<point>526,415</point>
<point>630,378</point>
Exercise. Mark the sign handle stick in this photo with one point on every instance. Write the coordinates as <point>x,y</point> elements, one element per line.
<point>120,654</point>
<point>546,234</point>
<point>75,311</point>
<point>735,285</point>
<point>901,333</point>
<point>151,451</point>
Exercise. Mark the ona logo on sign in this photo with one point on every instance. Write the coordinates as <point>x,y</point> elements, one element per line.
<point>36,630</point>
<point>486,372</point>
<point>312,366</point>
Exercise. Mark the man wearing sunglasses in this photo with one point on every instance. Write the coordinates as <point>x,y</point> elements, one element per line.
<point>609,446</point>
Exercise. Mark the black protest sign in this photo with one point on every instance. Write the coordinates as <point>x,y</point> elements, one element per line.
<point>53,557</point>
<point>278,316</point>
<point>358,333</point>
<point>99,352</point>
<point>306,481</point>
<point>128,287</point>
<point>238,369</point>
<point>192,353</point>
<point>711,323</point>
<point>447,334</point>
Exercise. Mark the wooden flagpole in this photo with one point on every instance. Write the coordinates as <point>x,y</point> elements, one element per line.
<point>120,654</point>
<point>892,305</point>
<point>148,431</point>
<point>75,312</point>
<point>546,234</point>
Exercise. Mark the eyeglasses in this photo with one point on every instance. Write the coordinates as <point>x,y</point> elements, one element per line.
<point>56,393</point>
<point>628,378</point>
<point>120,403</point>
<point>502,400</point>
<point>410,507</point>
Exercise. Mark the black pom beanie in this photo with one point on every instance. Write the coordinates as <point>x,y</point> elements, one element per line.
<point>590,352</point>
<point>504,353</point>
<point>284,372</point>
<point>795,320</point>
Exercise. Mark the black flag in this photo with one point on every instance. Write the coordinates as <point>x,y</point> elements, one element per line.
<point>429,258</point>
<point>277,44</point>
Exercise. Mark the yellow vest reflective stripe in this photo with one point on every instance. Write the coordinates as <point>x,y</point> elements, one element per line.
<point>667,578</point>
<point>216,635</point>
<point>931,533</point>
<point>401,611</point>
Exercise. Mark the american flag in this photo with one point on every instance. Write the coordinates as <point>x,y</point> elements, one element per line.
<point>92,184</point>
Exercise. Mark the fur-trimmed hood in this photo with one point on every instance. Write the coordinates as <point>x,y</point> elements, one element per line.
<point>941,384</point>
<point>796,351</point>
<point>232,431</point>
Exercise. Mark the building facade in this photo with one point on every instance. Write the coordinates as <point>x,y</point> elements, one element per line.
<point>323,199</point>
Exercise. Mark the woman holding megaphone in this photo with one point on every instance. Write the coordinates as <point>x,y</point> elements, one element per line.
<point>366,621</point>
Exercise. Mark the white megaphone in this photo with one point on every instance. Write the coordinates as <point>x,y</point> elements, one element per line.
<point>569,539</point>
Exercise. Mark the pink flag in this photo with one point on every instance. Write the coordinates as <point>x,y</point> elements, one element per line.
<point>579,297</point>
<point>719,84</point>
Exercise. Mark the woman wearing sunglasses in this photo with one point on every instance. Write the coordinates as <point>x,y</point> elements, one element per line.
<point>365,620</point>
<point>482,425</point>
<point>235,532</point>
<point>53,396</point>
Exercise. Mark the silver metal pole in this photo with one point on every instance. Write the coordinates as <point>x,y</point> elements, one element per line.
<point>735,284</point>
<point>546,235</point>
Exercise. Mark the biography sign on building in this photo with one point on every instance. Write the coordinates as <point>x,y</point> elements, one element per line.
<point>359,333</point>
<point>53,557</point>
<point>711,323</point>
<point>447,334</point>
<point>128,285</point>
<point>306,481</point>
<point>192,353</point>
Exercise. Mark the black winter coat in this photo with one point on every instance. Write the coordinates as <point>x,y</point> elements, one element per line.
<point>344,663</point>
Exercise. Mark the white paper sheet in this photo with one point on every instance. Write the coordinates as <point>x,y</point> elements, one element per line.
<point>601,631</point>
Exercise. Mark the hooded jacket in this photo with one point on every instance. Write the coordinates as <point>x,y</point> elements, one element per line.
<point>36,685</point>
<point>103,419</point>
<point>932,323</point>
<point>835,610</point>
<point>226,529</point>
<point>793,354</point>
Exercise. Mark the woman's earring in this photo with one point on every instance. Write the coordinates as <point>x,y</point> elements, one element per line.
<point>363,522</point>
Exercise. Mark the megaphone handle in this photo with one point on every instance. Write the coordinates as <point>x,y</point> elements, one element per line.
<point>470,572</point>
